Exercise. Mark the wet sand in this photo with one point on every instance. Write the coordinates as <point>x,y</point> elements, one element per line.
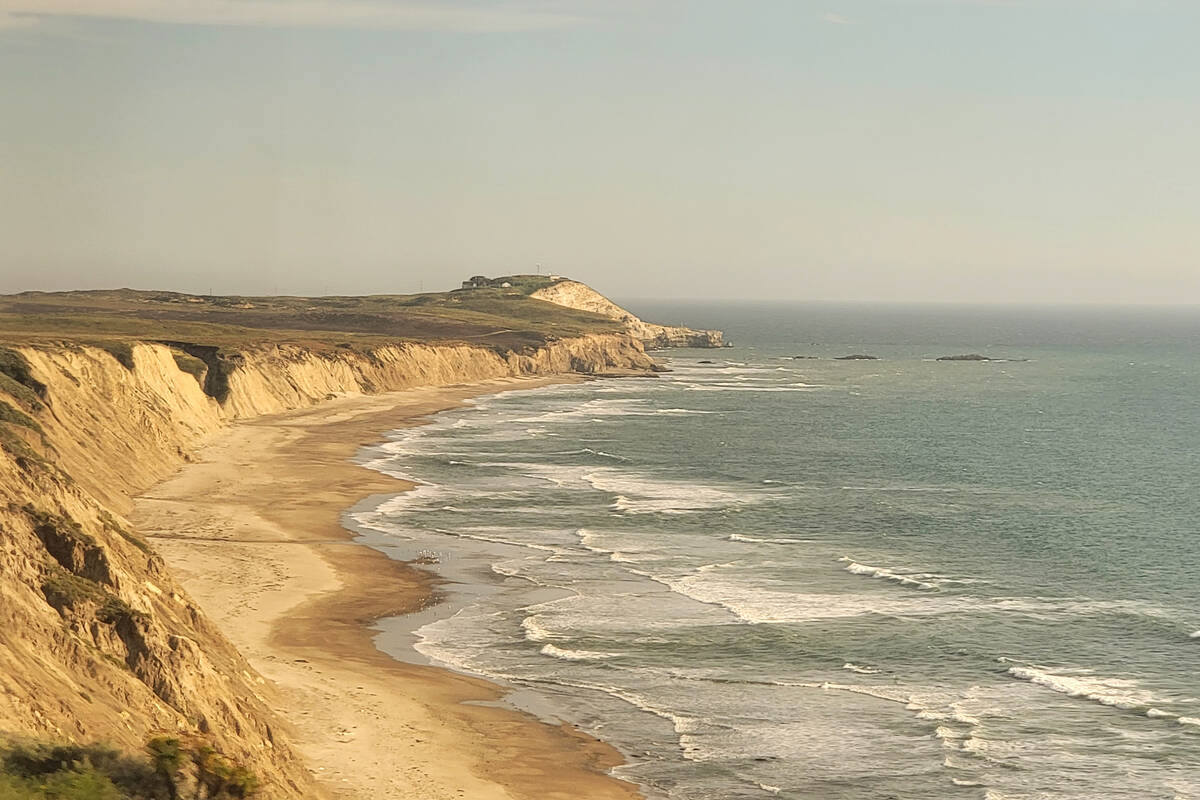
<point>253,531</point>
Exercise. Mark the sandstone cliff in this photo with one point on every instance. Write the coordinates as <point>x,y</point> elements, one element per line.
<point>97,640</point>
<point>573,294</point>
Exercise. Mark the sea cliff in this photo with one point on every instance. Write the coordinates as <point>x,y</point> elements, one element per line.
<point>98,641</point>
<point>579,296</point>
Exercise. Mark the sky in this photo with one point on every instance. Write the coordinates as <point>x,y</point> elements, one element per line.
<point>1011,151</point>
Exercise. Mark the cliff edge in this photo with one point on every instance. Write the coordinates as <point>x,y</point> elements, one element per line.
<point>579,296</point>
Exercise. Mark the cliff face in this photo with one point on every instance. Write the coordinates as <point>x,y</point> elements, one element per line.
<point>97,640</point>
<point>573,294</point>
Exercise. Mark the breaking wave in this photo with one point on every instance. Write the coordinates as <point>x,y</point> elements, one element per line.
<point>916,580</point>
<point>638,493</point>
<point>1122,693</point>
<point>575,655</point>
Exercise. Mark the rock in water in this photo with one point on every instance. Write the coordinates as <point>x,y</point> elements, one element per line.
<point>967,357</point>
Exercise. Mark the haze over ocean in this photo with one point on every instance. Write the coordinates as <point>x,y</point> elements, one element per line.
<point>804,577</point>
<point>919,150</point>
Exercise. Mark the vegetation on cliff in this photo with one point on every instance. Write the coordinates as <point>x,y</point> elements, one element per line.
<point>505,319</point>
<point>169,769</point>
<point>17,381</point>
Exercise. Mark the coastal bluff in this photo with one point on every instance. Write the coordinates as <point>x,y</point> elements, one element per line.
<point>102,395</point>
<point>572,294</point>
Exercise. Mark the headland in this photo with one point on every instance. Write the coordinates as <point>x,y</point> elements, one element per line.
<point>227,608</point>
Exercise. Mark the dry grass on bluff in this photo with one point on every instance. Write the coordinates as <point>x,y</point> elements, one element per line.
<point>501,318</point>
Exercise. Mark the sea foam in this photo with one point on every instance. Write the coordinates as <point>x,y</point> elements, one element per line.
<point>575,655</point>
<point>860,670</point>
<point>739,537</point>
<point>920,580</point>
<point>1121,693</point>
<point>639,493</point>
<point>534,631</point>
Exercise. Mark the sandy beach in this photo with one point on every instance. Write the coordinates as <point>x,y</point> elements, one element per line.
<point>252,529</point>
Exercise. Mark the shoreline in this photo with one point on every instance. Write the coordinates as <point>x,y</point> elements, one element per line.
<point>254,531</point>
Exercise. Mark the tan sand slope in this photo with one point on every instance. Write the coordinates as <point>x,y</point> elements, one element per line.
<point>252,528</point>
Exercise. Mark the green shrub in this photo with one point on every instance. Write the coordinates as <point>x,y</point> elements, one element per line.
<point>167,756</point>
<point>25,456</point>
<point>241,783</point>
<point>109,523</point>
<point>191,365</point>
<point>63,525</point>
<point>83,783</point>
<point>221,777</point>
<point>133,540</point>
<point>20,392</point>
<point>48,771</point>
<point>36,760</point>
<point>43,771</point>
<point>64,589</point>
<point>15,416</point>
<point>15,368</point>
<point>70,545</point>
<point>115,610</point>
<point>120,350</point>
<point>13,788</point>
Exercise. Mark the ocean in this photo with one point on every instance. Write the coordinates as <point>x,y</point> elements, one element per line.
<point>772,573</point>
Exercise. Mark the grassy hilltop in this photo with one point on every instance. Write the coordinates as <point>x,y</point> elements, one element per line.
<point>500,317</point>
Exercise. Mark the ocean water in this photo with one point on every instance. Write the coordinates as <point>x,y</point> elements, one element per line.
<point>766,576</point>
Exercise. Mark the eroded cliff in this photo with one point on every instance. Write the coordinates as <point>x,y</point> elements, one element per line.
<point>97,640</point>
<point>572,294</point>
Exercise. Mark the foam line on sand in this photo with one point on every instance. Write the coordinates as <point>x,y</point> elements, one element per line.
<point>252,527</point>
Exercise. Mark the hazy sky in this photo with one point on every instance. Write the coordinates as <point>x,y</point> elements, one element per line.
<point>1013,150</point>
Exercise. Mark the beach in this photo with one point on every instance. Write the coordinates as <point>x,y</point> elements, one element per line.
<point>252,528</point>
